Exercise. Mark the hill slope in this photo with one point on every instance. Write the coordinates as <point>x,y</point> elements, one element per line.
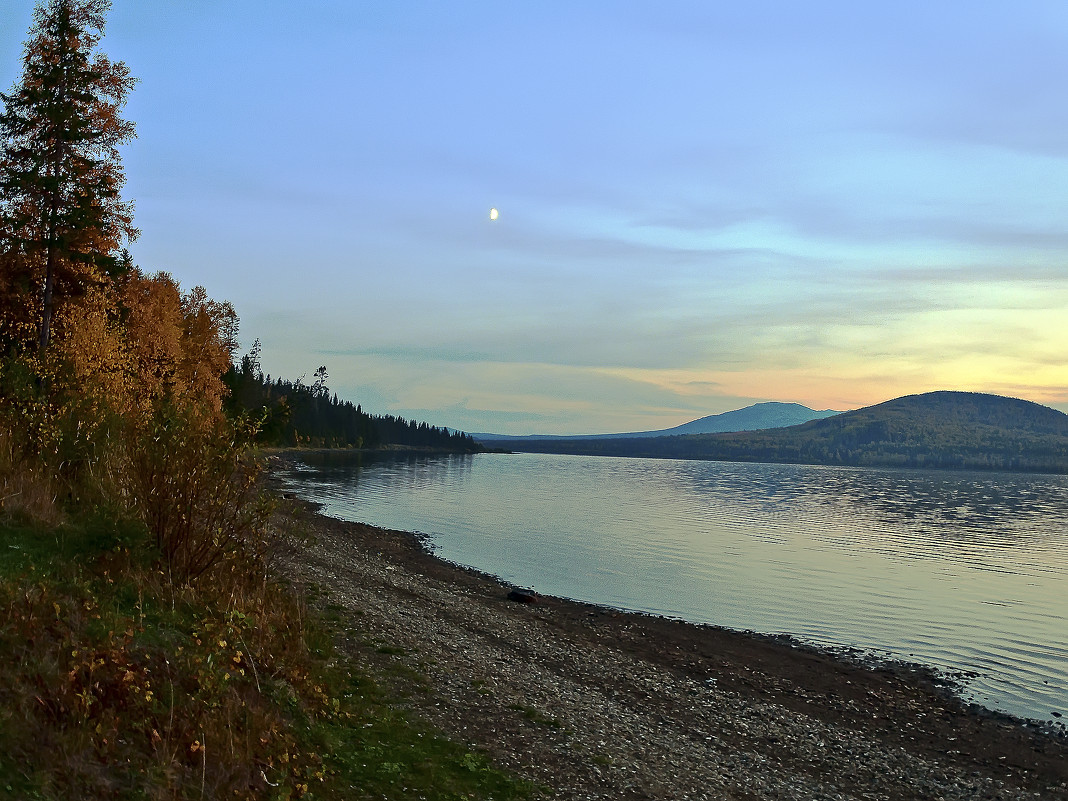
<point>770,414</point>
<point>752,418</point>
<point>935,430</point>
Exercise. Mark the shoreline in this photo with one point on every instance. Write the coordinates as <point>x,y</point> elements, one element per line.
<point>542,687</point>
<point>954,679</point>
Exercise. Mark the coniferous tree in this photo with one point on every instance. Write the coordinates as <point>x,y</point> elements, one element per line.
<point>62,218</point>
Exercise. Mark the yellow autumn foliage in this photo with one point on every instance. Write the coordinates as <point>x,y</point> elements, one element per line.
<point>125,347</point>
<point>127,357</point>
<point>91,354</point>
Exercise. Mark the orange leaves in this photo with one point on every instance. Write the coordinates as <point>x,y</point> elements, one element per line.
<point>154,328</point>
<point>180,345</point>
<point>120,352</point>
<point>92,348</point>
<point>123,350</point>
<point>209,338</point>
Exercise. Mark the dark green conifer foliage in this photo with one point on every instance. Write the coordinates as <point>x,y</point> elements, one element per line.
<point>291,413</point>
<point>62,218</point>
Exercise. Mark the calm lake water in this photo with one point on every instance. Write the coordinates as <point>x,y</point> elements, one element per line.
<point>964,571</point>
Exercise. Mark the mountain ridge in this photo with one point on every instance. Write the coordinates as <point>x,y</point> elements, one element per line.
<point>756,416</point>
<point>945,429</point>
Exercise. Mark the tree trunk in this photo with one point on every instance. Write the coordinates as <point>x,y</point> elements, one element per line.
<point>50,279</point>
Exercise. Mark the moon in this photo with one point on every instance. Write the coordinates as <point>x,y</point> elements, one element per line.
<point>493,214</point>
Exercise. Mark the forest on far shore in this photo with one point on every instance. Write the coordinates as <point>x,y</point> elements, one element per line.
<point>936,430</point>
<point>294,414</point>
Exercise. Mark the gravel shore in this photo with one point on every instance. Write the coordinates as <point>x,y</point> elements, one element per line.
<point>590,703</point>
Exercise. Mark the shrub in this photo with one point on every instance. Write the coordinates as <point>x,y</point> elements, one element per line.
<point>197,488</point>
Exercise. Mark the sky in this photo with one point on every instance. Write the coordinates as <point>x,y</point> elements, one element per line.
<point>701,204</point>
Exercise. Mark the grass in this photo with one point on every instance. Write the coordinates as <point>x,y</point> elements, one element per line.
<point>117,684</point>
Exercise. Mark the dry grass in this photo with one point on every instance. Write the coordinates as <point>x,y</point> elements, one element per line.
<point>192,694</point>
<point>147,650</point>
<point>28,491</point>
<point>116,681</point>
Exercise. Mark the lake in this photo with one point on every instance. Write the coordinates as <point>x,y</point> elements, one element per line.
<point>964,571</point>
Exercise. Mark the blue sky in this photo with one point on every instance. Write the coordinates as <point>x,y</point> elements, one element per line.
<point>702,204</point>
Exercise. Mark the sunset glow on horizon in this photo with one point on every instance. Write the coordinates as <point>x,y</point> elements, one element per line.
<point>706,205</point>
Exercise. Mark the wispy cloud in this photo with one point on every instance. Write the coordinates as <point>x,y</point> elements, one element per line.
<point>702,204</point>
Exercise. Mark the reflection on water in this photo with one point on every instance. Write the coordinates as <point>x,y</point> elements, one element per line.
<point>966,571</point>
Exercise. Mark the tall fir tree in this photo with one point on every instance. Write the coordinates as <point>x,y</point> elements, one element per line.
<point>63,221</point>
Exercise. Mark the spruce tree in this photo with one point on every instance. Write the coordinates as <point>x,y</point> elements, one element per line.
<point>62,218</point>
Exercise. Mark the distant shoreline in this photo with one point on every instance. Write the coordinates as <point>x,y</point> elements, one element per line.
<point>942,430</point>
<point>387,450</point>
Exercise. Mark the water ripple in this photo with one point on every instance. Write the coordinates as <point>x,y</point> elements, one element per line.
<point>965,571</point>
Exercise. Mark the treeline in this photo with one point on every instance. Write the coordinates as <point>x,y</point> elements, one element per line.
<point>292,413</point>
<point>939,430</point>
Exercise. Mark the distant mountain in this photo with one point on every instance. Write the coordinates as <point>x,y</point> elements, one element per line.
<point>934,430</point>
<point>752,418</point>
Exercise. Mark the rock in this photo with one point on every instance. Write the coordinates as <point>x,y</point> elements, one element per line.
<point>523,596</point>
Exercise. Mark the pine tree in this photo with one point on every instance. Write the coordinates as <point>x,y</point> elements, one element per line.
<point>62,218</point>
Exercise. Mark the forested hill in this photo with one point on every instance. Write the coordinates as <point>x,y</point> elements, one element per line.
<point>771,414</point>
<point>934,430</point>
